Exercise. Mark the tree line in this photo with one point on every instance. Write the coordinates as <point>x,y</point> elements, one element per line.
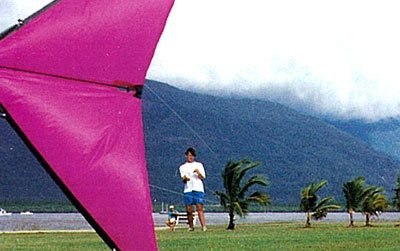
<point>359,197</point>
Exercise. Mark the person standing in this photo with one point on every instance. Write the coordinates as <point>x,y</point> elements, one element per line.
<point>193,174</point>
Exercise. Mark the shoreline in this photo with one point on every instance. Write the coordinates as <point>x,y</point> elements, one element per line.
<point>41,222</point>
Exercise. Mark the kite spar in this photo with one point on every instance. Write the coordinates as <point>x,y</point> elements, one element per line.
<point>70,82</point>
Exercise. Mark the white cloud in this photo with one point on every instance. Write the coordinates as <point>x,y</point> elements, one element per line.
<point>336,57</point>
<point>333,57</point>
<point>12,10</point>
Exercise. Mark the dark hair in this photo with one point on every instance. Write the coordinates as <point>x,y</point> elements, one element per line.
<point>190,150</point>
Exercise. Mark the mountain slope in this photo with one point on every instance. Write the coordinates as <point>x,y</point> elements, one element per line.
<point>22,178</point>
<point>294,149</point>
<point>382,135</point>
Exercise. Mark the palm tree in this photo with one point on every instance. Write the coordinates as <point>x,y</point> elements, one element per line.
<point>234,199</point>
<point>355,194</point>
<point>310,204</point>
<point>375,203</point>
<point>396,199</point>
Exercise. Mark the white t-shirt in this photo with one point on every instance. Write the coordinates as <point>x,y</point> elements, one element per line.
<point>195,183</point>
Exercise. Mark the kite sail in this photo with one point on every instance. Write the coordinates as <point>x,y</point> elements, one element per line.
<point>70,82</point>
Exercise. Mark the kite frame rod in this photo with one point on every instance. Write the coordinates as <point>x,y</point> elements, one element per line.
<point>22,22</point>
<point>125,86</point>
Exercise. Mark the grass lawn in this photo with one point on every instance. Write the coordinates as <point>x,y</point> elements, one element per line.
<point>266,236</point>
<point>284,236</point>
<point>52,241</point>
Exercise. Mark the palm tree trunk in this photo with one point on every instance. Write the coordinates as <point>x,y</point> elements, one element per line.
<point>231,225</point>
<point>308,222</point>
<point>351,212</point>
<point>367,224</point>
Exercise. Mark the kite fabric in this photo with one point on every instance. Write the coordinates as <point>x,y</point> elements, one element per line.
<point>57,82</point>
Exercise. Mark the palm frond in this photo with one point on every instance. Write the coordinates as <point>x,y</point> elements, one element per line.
<point>320,214</point>
<point>330,207</point>
<point>310,201</point>
<point>255,180</point>
<point>380,202</point>
<point>319,185</point>
<point>322,202</point>
<point>260,198</point>
<point>234,199</point>
<point>375,204</point>
<point>309,197</point>
<point>223,197</point>
<point>239,209</point>
<point>230,177</point>
<point>250,165</point>
<point>353,192</point>
<point>396,199</point>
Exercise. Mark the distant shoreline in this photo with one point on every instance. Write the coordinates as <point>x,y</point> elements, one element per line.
<point>75,221</point>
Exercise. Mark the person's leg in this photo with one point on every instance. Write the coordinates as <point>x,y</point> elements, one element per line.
<point>189,208</point>
<point>168,223</point>
<point>200,212</point>
<point>199,200</point>
<point>189,211</point>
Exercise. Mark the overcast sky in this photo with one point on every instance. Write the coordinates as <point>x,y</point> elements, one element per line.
<point>336,58</point>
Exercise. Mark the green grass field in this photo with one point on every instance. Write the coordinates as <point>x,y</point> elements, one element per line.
<point>285,236</point>
<point>52,241</point>
<point>267,236</point>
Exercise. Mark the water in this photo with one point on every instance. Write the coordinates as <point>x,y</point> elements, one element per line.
<point>44,221</point>
<point>223,218</point>
<point>75,221</point>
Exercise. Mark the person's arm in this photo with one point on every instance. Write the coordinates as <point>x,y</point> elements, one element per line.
<point>183,175</point>
<point>200,172</point>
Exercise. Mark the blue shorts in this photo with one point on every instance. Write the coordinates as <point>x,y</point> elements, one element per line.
<point>193,198</point>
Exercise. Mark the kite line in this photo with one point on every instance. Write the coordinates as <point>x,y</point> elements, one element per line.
<point>181,119</point>
<point>190,128</point>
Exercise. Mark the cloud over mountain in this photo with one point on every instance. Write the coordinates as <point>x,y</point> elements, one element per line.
<point>335,58</point>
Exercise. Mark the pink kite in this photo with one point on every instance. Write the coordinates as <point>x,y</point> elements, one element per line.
<point>70,82</point>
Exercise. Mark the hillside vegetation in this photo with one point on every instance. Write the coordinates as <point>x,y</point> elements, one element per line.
<point>294,149</point>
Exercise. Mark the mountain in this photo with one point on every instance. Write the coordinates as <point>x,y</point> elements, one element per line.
<point>294,149</point>
<point>382,135</point>
<point>22,178</point>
